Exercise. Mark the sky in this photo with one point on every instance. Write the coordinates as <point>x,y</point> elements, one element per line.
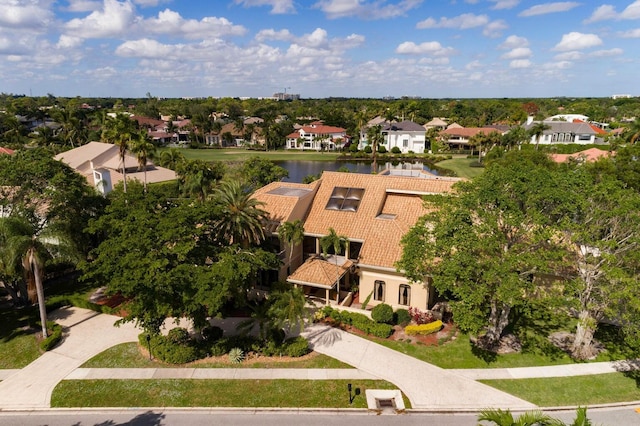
<point>320,48</point>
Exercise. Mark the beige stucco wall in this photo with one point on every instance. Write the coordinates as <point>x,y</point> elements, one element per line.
<point>419,292</point>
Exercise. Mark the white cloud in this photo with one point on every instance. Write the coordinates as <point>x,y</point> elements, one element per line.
<point>514,41</point>
<point>461,22</point>
<point>113,20</point>
<point>577,41</point>
<point>271,34</point>
<point>520,63</point>
<point>32,14</point>
<point>518,53</point>
<point>426,48</point>
<point>632,11</point>
<point>170,22</point>
<point>277,6</point>
<point>473,65</point>
<point>83,5</point>
<point>573,55</point>
<point>494,29</point>
<point>630,33</point>
<point>505,4</point>
<point>68,42</point>
<point>606,53</point>
<point>604,12</point>
<point>147,48</point>
<point>363,9</point>
<point>558,65</point>
<point>543,9</point>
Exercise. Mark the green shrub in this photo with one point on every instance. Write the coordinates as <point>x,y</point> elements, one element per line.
<point>401,317</point>
<point>276,335</point>
<point>366,300</point>
<point>212,333</point>
<point>368,149</point>
<point>353,147</point>
<point>396,150</point>
<point>382,313</point>
<point>335,315</point>
<point>54,337</point>
<point>179,336</point>
<point>423,329</point>
<point>382,149</point>
<point>164,349</point>
<point>363,323</point>
<point>296,347</point>
<point>236,355</point>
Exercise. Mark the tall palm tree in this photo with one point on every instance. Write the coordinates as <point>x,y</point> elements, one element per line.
<point>288,308</point>
<point>633,131</point>
<point>537,130</point>
<point>26,247</point>
<point>171,158</point>
<point>242,219</point>
<point>338,243</point>
<point>291,233</point>
<point>375,138</point>
<point>197,177</point>
<point>505,418</point>
<point>119,131</point>
<point>144,150</point>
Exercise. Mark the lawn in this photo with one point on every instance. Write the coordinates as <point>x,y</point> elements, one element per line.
<point>18,345</point>
<point>462,167</point>
<point>213,393</point>
<point>238,154</point>
<point>577,390</point>
<point>128,355</point>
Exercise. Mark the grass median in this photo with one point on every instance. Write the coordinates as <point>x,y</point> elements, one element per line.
<point>576,390</point>
<point>213,393</point>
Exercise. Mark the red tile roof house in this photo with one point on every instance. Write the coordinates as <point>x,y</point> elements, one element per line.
<point>588,155</point>
<point>317,136</point>
<point>458,137</point>
<point>373,212</point>
<point>100,164</point>
<point>6,151</point>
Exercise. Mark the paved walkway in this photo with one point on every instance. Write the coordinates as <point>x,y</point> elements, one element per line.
<point>87,333</point>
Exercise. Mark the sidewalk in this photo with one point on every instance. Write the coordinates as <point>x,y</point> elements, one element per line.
<point>87,333</point>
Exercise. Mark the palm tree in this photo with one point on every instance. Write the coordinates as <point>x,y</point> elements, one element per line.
<point>375,138</point>
<point>119,131</point>
<point>505,418</point>
<point>633,131</point>
<point>26,247</point>
<point>171,158</point>
<point>144,149</point>
<point>337,242</point>
<point>197,177</point>
<point>537,130</point>
<point>291,233</point>
<point>288,308</point>
<point>242,219</point>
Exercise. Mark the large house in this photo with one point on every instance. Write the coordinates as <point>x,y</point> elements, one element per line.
<point>562,132</point>
<point>458,137</point>
<point>101,165</point>
<point>372,212</point>
<point>406,135</point>
<point>318,137</point>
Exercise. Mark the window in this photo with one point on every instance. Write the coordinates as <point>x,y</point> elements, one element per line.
<point>345,199</point>
<point>378,291</point>
<point>405,143</point>
<point>404,295</point>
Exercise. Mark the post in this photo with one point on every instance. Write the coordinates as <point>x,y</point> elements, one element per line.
<point>149,346</point>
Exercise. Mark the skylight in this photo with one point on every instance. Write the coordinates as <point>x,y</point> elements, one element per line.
<point>345,199</point>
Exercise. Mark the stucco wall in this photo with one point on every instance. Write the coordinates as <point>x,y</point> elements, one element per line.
<point>419,293</point>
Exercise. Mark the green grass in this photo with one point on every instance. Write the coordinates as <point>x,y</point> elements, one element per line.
<point>238,154</point>
<point>461,167</point>
<point>577,390</point>
<point>18,345</point>
<point>212,393</point>
<point>128,355</point>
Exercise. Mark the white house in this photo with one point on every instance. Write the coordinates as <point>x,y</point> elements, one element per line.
<point>562,132</point>
<point>406,135</point>
<point>317,136</point>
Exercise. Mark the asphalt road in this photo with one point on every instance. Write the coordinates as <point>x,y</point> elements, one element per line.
<point>201,417</point>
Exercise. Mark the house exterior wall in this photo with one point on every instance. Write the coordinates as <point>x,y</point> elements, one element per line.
<point>565,138</point>
<point>414,141</point>
<point>420,293</point>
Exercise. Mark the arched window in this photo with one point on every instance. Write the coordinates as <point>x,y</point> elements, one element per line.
<point>378,291</point>
<point>404,295</point>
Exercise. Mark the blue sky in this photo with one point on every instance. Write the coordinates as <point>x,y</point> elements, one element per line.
<point>320,48</point>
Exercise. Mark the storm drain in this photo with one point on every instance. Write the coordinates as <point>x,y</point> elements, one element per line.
<point>384,401</point>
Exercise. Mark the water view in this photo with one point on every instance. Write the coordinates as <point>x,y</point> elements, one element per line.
<point>299,169</point>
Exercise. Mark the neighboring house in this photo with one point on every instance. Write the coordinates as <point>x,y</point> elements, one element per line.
<point>6,151</point>
<point>567,117</point>
<point>373,212</point>
<point>458,137</point>
<point>437,123</point>
<point>317,136</point>
<point>228,136</point>
<point>589,155</point>
<point>100,164</point>
<point>406,135</point>
<point>562,132</point>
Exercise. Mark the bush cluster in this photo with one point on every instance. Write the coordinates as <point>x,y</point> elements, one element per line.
<point>359,321</point>
<point>423,329</point>
<point>54,337</point>
<point>401,317</point>
<point>420,317</point>
<point>178,347</point>
<point>382,313</point>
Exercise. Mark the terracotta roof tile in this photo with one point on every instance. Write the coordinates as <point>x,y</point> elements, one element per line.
<point>318,272</point>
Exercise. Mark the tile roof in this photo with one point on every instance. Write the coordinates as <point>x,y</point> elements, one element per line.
<point>318,272</point>
<point>407,126</point>
<point>591,154</point>
<point>6,151</point>
<point>322,129</point>
<point>564,127</point>
<point>282,198</point>
<point>468,131</point>
<point>389,206</point>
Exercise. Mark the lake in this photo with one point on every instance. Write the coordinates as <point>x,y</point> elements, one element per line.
<point>299,169</point>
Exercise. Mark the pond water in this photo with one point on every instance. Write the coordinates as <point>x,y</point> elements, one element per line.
<point>299,169</point>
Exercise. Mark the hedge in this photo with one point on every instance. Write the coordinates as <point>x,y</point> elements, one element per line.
<point>423,329</point>
<point>359,321</point>
<point>382,313</point>
<point>53,338</point>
